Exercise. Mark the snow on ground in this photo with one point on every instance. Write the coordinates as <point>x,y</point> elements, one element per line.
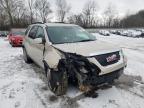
<point>20,86</point>
<point>122,41</point>
<point>24,85</point>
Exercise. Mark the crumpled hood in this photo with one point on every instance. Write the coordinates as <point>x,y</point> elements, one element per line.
<point>90,48</point>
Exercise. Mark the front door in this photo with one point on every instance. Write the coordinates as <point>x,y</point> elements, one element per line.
<point>39,47</point>
<point>29,43</point>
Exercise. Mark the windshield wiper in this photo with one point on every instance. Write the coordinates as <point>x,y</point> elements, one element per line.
<point>86,40</point>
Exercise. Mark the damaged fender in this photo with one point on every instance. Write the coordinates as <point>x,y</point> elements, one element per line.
<point>77,67</point>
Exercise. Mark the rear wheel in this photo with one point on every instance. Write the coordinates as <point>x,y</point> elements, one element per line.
<point>57,82</point>
<point>9,42</point>
<point>27,59</point>
<point>12,45</point>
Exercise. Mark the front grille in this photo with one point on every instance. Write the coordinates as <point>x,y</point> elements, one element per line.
<point>108,59</point>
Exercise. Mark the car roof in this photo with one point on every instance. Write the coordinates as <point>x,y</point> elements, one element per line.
<point>54,24</point>
<point>59,24</point>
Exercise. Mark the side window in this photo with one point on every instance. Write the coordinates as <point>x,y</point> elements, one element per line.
<point>33,31</point>
<point>40,33</point>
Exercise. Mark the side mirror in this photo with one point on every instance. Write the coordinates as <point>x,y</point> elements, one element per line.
<point>31,35</point>
<point>38,41</point>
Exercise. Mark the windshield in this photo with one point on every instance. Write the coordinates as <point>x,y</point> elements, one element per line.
<point>19,33</point>
<point>68,34</point>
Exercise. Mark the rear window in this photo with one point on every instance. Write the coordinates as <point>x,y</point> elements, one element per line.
<point>18,33</point>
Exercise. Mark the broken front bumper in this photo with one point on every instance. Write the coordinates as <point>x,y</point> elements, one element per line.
<point>107,78</point>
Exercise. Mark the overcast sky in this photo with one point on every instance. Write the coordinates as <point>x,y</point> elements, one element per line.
<point>123,6</point>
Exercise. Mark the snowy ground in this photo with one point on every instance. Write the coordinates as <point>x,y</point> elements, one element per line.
<point>24,85</point>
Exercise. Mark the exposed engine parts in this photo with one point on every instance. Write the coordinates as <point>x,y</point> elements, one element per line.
<point>78,68</point>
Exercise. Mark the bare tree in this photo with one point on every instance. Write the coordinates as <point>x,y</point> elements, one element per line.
<point>31,8</point>
<point>116,22</point>
<point>19,12</point>
<point>43,8</point>
<point>109,15</point>
<point>89,13</point>
<point>88,16</point>
<point>62,9</point>
<point>3,17</point>
<point>76,19</point>
<point>10,6</point>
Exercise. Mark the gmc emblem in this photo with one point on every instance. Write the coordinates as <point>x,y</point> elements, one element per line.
<point>111,58</point>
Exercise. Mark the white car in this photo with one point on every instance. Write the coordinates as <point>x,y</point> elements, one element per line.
<point>124,33</point>
<point>68,53</point>
<point>136,33</point>
<point>133,33</point>
<point>104,33</point>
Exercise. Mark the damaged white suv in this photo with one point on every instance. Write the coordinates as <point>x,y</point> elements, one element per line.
<point>68,53</point>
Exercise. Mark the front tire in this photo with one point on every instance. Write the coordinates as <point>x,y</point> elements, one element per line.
<point>58,85</point>
<point>27,59</point>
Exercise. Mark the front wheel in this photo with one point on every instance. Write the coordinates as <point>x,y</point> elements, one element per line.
<point>57,82</point>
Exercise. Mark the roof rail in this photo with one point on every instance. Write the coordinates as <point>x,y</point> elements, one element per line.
<point>38,23</point>
<point>57,22</point>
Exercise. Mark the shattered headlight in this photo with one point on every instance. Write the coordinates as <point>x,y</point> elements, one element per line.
<point>78,63</point>
<point>81,66</point>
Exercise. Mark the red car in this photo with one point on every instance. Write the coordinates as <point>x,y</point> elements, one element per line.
<point>16,38</point>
